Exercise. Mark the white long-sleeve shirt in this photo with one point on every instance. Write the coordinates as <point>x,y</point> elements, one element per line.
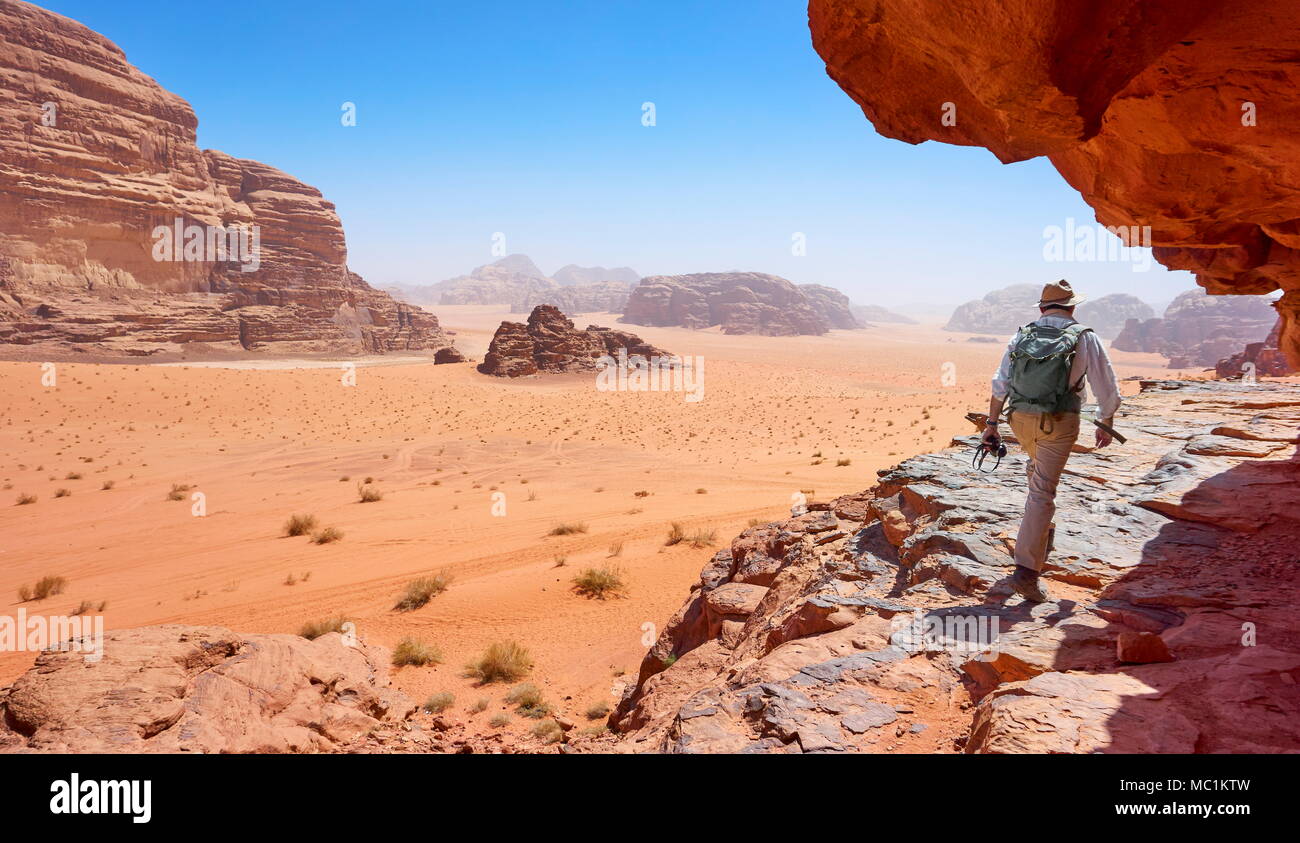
<point>1090,361</point>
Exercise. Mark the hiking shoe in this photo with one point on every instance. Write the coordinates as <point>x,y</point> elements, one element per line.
<point>1025,583</point>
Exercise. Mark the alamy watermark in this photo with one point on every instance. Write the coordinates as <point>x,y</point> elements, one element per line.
<point>973,636</point>
<point>1098,244</point>
<point>639,373</point>
<point>234,243</point>
<point>63,633</point>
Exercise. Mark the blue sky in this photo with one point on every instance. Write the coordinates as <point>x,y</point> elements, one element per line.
<point>526,118</point>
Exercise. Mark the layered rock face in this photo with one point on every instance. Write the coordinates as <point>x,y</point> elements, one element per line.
<point>741,302</point>
<point>201,689</point>
<point>550,343</point>
<point>601,297</point>
<point>832,305</point>
<point>882,621</point>
<point>1200,331</point>
<point>1173,114</point>
<point>96,159</point>
<point>1003,311</point>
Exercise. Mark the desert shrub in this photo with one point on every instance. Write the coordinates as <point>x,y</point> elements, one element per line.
<point>299,525</point>
<point>62,493</point>
<point>178,491</point>
<point>597,711</point>
<point>481,704</point>
<point>440,702</point>
<point>504,661</point>
<point>568,528</point>
<point>48,586</point>
<point>843,461</point>
<point>315,629</point>
<point>616,549</point>
<point>327,535</point>
<point>529,700</point>
<point>108,484</point>
<point>602,582</point>
<point>676,533</point>
<point>702,538</point>
<point>413,651</point>
<point>24,593</point>
<point>25,499</point>
<point>368,494</point>
<point>499,720</point>
<point>419,592</point>
<point>548,731</point>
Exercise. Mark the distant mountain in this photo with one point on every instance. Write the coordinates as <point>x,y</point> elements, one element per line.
<point>833,306</point>
<point>574,275</point>
<point>1003,311</point>
<point>600,297</point>
<point>1201,330</point>
<point>869,313</point>
<point>518,282</point>
<point>740,302</point>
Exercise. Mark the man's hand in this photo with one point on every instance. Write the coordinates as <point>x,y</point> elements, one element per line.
<point>990,437</point>
<point>1104,438</point>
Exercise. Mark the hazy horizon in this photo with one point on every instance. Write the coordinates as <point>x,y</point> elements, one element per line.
<point>528,122</point>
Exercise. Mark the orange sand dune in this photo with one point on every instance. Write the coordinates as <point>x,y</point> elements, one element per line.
<point>262,444</point>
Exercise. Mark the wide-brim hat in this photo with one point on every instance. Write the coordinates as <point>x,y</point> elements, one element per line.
<point>1059,294</point>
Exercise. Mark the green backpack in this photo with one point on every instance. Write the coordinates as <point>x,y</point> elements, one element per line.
<point>1041,358</point>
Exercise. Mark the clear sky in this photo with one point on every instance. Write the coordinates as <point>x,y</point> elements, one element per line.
<point>525,118</point>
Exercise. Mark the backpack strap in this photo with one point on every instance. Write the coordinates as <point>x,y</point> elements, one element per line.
<point>1076,331</point>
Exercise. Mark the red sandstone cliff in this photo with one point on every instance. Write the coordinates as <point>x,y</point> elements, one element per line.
<point>94,155</point>
<point>1177,114</point>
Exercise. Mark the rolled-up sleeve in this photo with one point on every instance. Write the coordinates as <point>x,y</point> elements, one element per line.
<point>1002,377</point>
<point>1101,377</point>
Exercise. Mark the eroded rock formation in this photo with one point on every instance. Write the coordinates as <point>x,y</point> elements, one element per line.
<point>550,343</point>
<point>1003,311</point>
<point>817,633</point>
<point>1200,331</point>
<point>95,158</point>
<point>1257,358</point>
<point>1180,115</point>
<point>506,281</point>
<point>832,305</point>
<point>741,302</point>
<point>201,689</point>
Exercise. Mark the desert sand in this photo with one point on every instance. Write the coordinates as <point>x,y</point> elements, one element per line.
<point>262,441</point>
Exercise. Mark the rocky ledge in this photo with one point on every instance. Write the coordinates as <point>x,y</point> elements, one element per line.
<point>550,343</point>
<point>1172,629</point>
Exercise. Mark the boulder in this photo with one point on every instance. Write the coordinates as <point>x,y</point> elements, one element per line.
<point>202,689</point>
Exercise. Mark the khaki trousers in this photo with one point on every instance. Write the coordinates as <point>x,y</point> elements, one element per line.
<point>1047,441</point>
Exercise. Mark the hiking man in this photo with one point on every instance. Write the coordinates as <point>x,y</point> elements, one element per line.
<point>1042,373</point>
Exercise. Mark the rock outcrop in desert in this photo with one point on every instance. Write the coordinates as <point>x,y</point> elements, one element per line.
<point>202,689</point>
<point>810,634</point>
<point>1159,113</point>
<point>740,302</point>
<point>1003,311</point>
<point>1197,330</point>
<point>98,163</point>
<point>549,342</point>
